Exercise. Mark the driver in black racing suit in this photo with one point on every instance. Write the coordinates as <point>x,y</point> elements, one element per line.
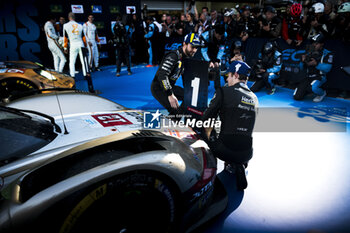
<point>236,105</point>
<point>163,85</point>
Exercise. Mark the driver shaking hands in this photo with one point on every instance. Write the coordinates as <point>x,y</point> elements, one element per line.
<point>171,68</point>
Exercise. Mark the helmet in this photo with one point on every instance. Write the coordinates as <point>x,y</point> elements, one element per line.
<point>318,7</point>
<point>270,9</point>
<point>234,11</point>
<point>237,44</point>
<point>295,10</point>
<point>246,8</point>
<point>228,13</point>
<point>319,38</point>
<point>193,39</point>
<point>345,7</point>
<point>268,48</point>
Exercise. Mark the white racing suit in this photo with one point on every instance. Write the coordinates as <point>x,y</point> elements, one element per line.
<point>59,59</point>
<point>91,38</point>
<point>72,31</point>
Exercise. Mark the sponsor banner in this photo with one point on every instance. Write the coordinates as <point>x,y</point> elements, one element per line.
<point>56,8</point>
<point>96,9</point>
<point>99,24</point>
<point>103,40</point>
<point>114,9</point>
<point>131,9</point>
<point>77,9</point>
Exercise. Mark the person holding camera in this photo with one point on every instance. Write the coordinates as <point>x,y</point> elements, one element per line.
<point>270,24</point>
<point>267,68</point>
<point>214,50</point>
<point>152,38</point>
<point>315,22</point>
<point>318,62</point>
<point>292,25</point>
<point>121,41</point>
<point>236,106</point>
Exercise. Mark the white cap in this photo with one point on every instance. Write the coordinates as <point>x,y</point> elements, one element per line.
<point>319,7</point>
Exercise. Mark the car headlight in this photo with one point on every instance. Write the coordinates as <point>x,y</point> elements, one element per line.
<point>47,75</point>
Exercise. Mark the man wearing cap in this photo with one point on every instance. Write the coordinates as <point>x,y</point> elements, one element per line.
<point>270,24</point>
<point>317,62</point>
<point>171,68</point>
<point>237,107</point>
<point>267,68</point>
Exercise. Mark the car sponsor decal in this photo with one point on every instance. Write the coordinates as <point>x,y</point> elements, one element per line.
<point>17,71</point>
<point>91,122</point>
<point>108,120</point>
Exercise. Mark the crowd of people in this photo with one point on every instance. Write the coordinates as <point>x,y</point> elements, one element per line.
<point>223,35</point>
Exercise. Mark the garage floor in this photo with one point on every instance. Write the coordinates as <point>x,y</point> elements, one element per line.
<point>299,177</point>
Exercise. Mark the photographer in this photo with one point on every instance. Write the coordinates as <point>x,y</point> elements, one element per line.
<point>267,68</point>
<point>121,42</point>
<point>270,24</point>
<point>247,26</point>
<point>318,62</point>
<point>214,50</point>
<point>314,21</point>
<point>292,26</point>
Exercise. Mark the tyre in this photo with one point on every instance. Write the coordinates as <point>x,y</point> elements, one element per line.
<point>12,87</point>
<point>133,202</point>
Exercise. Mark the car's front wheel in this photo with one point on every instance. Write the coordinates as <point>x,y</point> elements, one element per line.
<point>134,202</point>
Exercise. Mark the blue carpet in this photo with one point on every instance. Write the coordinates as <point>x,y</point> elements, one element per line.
<point>298,180</point>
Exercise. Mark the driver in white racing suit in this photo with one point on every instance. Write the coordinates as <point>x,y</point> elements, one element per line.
<point>72,31</point>
<point>92,39</point>
<point>59,59</point>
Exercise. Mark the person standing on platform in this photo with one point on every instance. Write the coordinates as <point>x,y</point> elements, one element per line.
<point>52,40</point>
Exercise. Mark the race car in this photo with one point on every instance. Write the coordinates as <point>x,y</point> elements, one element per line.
<point>20,77</point>
<point>86,164</point>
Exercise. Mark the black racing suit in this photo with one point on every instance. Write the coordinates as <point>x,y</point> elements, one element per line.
<point>237,107</point>
<point>163,84</point>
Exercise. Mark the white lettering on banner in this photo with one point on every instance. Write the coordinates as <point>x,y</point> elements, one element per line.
<point>210,123</point>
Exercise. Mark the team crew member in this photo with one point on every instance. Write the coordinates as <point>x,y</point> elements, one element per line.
<point>52,40</point>
<point>163,85</point>
<point>237,107</point>
<point>214,50</point>
<point>92,41</point>
<point>267,69</point>
<point>318,62</point>
<point>72,31</point>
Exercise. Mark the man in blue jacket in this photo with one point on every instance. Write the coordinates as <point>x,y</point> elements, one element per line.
<point>318,62</point>
<point>267,69</point>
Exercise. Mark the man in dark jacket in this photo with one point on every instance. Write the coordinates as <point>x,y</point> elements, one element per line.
<point>171,68</point>
<point>237,107</point>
